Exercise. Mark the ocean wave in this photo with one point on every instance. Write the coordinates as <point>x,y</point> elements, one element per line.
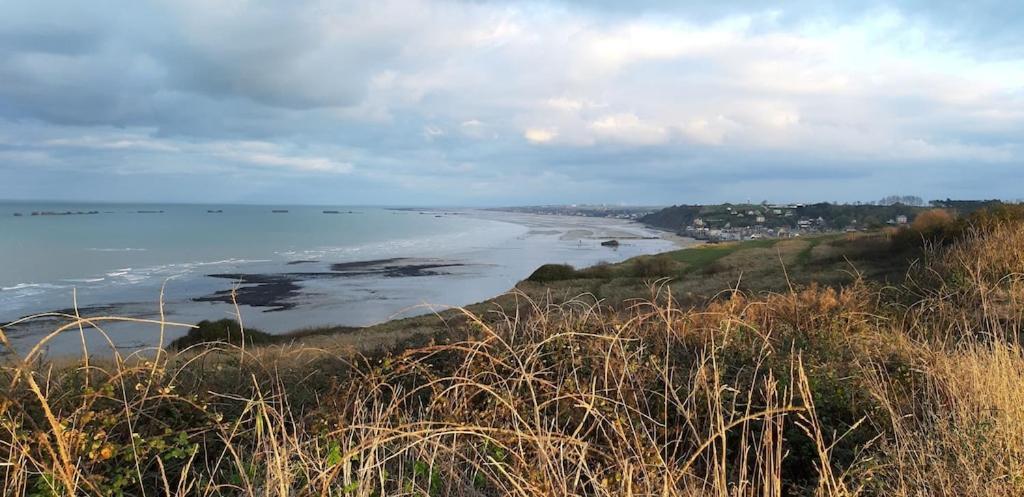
<point>14,297</point>
<point>426,246</point>
<point>126,249</point>
<point>29,286</point>
<point>170,271</point>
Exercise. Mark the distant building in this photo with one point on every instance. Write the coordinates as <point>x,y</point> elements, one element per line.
<point>901,219</point>
<point>760,219</point>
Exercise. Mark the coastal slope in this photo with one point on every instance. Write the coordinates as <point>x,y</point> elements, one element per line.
<point>863,364</point>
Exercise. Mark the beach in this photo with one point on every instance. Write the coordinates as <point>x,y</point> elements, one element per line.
<point>452,258</point>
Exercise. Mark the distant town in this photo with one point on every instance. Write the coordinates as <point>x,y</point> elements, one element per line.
<point>748,221</point>
<point>587,210</point>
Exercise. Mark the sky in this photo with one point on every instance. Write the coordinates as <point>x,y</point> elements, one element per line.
<point>407,102</point>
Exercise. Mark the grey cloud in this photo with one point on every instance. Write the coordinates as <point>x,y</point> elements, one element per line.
<point>689,116</point>
<point>990,24</point>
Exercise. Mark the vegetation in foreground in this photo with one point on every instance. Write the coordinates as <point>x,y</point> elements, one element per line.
<point>867,384</point>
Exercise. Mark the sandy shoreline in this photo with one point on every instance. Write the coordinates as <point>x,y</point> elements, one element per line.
<point>291,294</point>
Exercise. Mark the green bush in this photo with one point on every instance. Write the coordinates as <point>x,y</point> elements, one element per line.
<point>989,218</point>
<point>553,272</point>
<point>221,331</point>
<point>654,266</point>
<point>601,270</point>
<point>938,227</point>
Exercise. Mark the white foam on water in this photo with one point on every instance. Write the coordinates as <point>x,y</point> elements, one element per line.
<point>119,272</point>
<point>30,286</point>
<point>423,246</point>
<point>21,295</point>
<point>85,280</point>
<point>126,249</point>
<point>13,298</point>
<point>131,276</point>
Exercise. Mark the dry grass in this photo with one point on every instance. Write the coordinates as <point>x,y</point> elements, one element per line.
<point>816,391</point>
<point>560,403</point>
<point>963,432</point>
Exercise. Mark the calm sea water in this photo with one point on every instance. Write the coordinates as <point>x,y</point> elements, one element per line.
<point>117,260</point>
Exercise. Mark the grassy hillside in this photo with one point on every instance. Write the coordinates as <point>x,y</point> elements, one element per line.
<point>835,216</point>
<point>694,276</point>
<point>873,364</point>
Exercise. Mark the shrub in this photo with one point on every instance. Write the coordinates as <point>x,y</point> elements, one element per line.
<point>654,266</point>
<point>1004,214</point>
<point>601,270</point>
<point>936,226</point>
<point>932,221</point>
<point>553,272</point>
<point>221,331</point>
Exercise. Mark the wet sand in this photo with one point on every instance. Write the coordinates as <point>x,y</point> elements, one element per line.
<point>321,289</point>
<point>280,291</point>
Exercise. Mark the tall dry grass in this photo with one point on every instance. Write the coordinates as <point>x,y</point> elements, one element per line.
<point>567,401</point>
<point>958,428</point>
<point>816,391</point>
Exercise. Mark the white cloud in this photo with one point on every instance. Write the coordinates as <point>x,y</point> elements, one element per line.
<point>267,154</point>
<point>313,164</point>
<point>405,88</point>
<point>628,128</point>
<point>244,153</point>
<point>563,103</point>
<point>709,131</point>
<point>116,142</point>
<point>430,131</point>
<point>476,129</point>
<point>540,135</point>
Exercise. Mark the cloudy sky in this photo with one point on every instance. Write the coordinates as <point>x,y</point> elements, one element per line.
<point>496,103</point>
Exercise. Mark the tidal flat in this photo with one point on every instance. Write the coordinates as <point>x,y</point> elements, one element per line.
<point>374,265</point>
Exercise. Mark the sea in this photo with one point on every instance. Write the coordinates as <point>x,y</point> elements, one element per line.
<point>291,267</point>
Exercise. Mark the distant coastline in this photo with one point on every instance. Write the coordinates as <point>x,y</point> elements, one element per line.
<point>281,288</point>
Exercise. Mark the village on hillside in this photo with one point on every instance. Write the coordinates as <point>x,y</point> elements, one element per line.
<point>748,221</point>
<point>752,222</point>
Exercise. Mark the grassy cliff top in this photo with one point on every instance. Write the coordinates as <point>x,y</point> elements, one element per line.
<point>694,276</point>
<point>860,365</point>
